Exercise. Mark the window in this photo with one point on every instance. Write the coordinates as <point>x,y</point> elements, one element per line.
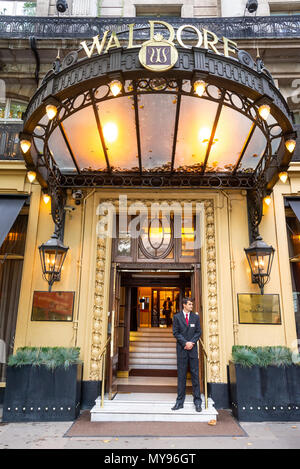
<point>158,238</point>
<point>297,117</point>
<point>293,236</point>
<point>11,265</point>
<point>158,10</point>
<point>17,8</point>
<point>12,109</point>
<point>286,8</point>
<point>285,12</point>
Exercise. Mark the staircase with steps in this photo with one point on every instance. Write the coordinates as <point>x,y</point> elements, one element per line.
<point>150,408</point>
<point>152,363</point>
<point>152,349</point>
<point>150,391</point>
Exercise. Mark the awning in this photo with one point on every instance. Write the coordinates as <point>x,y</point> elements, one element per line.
<point>10,207</point>
<point>295,206</point>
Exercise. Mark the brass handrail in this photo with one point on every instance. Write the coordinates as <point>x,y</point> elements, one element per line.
<point>205,372</point>
<point>103,362</point>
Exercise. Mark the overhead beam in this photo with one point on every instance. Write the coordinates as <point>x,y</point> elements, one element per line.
<point>214,129</point>
<point>245,146</point>
<point>65,137</point>
<point>176,126</point>
<point>100,131</point>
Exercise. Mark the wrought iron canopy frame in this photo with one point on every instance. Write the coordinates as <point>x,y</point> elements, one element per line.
<point>240,78</point>
<point>83,77</point>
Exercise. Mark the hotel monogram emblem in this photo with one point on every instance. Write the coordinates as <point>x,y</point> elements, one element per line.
<point>158,54</point>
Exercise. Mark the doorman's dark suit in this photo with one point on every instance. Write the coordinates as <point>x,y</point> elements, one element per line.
<point>183,334</point>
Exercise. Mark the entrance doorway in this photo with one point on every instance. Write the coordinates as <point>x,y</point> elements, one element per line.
<point>144,306</point>
<point>157,306</point>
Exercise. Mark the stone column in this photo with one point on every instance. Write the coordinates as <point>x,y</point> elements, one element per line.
<point>42,7</point>
<point>84,8</point>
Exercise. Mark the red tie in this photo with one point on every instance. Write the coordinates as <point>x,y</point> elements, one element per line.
<point>187,319</point>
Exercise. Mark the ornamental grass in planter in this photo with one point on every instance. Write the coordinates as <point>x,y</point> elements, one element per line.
<point>265,384</point>
<point>43,384</point>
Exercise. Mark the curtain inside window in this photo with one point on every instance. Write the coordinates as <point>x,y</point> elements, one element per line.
<point>10,283</point>
<point>9,210</point>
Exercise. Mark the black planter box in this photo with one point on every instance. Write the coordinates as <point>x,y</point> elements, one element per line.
<point>36,394</point>
<point>265,394</point>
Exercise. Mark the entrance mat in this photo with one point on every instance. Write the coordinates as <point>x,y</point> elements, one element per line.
<point>226,426</point>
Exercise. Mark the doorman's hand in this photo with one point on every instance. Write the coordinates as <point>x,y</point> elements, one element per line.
<point>189,346</point>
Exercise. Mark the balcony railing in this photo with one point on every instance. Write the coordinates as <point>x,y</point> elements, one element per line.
<point>9,141</point>
<point>262,27</point>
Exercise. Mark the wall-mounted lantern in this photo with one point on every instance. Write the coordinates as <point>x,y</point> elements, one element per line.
<point>52,254</point>
<point>260,257</point>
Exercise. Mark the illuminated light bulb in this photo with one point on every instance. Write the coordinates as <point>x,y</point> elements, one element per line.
<point>264,111</point>
<point>267,200</point>
<point>51,111</point>
<point>283,176</point>
<point>115,87</point>
<point>31,176</point>
<point>110,132</point>
<point>199,87</point>
<point>290,145</point>
<point>25,145</point>
<point>46,198</point>
<point>204,136</point>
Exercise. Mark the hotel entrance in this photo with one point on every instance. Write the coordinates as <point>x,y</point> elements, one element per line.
<point>152,271</point>
<point>144,358</point>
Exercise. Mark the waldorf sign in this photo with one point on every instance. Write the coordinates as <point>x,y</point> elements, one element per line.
<point>159,52</point>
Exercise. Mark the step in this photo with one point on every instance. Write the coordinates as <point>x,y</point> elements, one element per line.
<point>151,408</point>
<point>153,339</point>
<point>161,330</point>
<point>142,366</point>
<point>164,333</point>
<point>152,355</point>
<point>141,348</point>
<point>152,361</point>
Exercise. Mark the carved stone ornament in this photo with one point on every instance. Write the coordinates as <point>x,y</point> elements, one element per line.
<point>210,312</point>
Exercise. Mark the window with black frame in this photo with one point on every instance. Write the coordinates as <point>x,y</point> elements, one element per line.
<point>11,266</point>
<point>292,209</point>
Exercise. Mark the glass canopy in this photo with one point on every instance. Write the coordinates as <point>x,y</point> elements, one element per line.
<point>157,125</point>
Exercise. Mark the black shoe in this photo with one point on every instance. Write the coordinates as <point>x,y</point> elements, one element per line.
<point>177,406</point>
<point>198,408</point>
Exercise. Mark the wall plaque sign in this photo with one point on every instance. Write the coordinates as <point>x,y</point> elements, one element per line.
<point>259,309</point>
<point>52,306</point>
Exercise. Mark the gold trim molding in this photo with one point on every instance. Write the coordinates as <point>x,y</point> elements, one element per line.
<point>209,293</point>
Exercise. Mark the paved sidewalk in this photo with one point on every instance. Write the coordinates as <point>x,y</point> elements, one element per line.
<point>50,435</point>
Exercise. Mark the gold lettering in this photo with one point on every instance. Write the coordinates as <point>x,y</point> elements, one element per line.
<point>130,38</point>
<point>164,55</point>
<point>212,43</point>
<point>228,49</point>
<point>167,25</point>
<point>152,55</point>
<point>96,43</point>
<point>113,41</point>
<point>179,39</point>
